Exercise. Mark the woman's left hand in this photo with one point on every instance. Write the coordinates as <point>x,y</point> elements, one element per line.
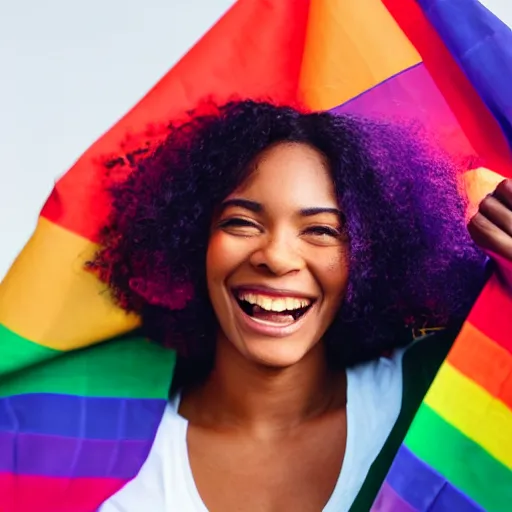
<point>491,229</point>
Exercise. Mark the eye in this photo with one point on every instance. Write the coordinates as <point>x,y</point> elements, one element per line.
<point>323,235</point>
<point>323,231</point>
<point>239,227</point>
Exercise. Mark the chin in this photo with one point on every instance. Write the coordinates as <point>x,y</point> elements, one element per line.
<point>277,354</point>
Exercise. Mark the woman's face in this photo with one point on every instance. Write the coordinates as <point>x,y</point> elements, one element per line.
<point>277,262</point>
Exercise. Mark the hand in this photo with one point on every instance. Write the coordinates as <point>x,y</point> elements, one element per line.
<point>491,229</point>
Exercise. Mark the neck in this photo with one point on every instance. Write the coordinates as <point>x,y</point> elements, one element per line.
<point>242,394</point>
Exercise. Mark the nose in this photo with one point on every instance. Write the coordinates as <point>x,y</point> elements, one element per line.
<point>277,255</point>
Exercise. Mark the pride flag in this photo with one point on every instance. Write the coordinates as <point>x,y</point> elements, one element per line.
<point>81,395</point>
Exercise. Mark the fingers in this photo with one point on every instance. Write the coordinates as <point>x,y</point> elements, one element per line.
<point>503,193</point>
<point>490,237</point>
<point>495,209</point>
<point>491,228</point>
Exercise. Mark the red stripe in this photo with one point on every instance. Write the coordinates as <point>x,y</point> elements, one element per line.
<point>492,314</point>
<point>255,51</point>
<point>474,118</point>
<point>42,494</point>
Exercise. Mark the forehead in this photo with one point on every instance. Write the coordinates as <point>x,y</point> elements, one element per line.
<point>290,173</point>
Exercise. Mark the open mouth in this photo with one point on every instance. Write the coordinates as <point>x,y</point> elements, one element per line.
<point>275,310</point>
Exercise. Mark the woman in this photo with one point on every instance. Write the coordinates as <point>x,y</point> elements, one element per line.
<point>290,259</point>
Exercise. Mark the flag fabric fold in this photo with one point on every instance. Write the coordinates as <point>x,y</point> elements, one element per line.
<point>81,394</point>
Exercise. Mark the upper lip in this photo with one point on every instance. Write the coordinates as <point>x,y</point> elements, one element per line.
<point>273,292</point>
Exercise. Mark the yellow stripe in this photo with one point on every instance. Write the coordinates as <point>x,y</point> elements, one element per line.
<point>351,46</point>
<point>473,411</point>
<point>48,298</point>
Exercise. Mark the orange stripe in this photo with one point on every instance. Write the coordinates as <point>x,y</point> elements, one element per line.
<point>484,362</point>
<point>48,298</point>
<point>351,46</point>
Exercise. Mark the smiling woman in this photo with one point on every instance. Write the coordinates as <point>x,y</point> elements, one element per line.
<point>402,230</point>
<point>282,254</point>
<point>277,264</point>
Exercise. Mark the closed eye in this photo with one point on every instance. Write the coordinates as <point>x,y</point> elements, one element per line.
<point>323,231</point>
<point>239,226</point>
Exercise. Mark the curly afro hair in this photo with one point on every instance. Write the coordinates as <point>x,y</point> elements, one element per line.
<point>412,263</point>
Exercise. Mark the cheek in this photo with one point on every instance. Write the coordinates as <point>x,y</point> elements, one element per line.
<point>334,275</point>
<point>225,253</point>
<point>216,257</point>
<point>217,268</point>
<point>213,254</point>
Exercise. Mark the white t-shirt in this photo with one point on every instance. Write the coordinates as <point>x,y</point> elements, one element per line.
<point>165,481</point>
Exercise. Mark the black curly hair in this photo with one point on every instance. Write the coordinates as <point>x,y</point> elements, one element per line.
<point>412,262</point>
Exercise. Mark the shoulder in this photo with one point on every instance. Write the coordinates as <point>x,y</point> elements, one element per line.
<point>389,384</point>
<point>414,368</point>
<point>375,393</point>
<point>161,475</point>
<point>425,355</point>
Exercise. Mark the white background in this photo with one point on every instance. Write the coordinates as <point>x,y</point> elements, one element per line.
<point>68,71</point>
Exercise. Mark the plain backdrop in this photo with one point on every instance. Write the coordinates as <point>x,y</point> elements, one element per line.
<point>68,71</point>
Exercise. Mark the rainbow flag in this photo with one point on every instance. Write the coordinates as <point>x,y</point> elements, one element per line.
<point>81,394</point>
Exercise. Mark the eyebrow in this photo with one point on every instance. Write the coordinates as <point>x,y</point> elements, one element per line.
<point>309,212</point>
<point>252,206</point>
<point>255,207</point>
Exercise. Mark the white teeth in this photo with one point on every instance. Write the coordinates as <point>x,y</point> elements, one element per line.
<point>274,304</point>
<point>291,304</point>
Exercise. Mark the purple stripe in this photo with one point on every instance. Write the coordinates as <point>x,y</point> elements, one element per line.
<point>53,456</point>
<point>482,45</point>
<point>389,501</point>
<point>81,417</point>
<point>412,96</point>
<point>423,487</point>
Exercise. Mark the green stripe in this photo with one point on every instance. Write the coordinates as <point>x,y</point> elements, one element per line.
<point>129,367</point>
<point>17,353</point>
<point>464,463</point>
<point>420,364</point>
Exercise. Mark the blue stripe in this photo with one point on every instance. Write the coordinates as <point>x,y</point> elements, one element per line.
<point>424,488</point>
<point>81,417</point>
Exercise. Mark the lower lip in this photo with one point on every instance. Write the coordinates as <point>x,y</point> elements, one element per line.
<point>269,329</point>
